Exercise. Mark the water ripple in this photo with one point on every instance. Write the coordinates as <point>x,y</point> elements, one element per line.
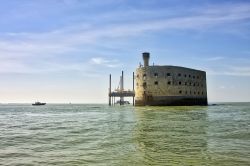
<point>102,135</point>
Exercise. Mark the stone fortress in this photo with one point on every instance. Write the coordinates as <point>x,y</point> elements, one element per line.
<point>169,85</point>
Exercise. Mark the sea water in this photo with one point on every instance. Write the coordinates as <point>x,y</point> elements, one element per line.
<point>95,134</point>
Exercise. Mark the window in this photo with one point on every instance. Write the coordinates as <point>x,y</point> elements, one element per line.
<point>198,84</point>
<point>194,84</point>
<point>156,75</point>
<point>180,83</point>
<point>193,77</point>
<point>202,93</point>
<point>144,84</point>
<point>198,77</point>
<point>144,76</point>
<point>194,92</point>
<point>180,91</point>
<point>190,83</point>
<point>186,92</point>
<point>189,76</point>
<point>179,74</point>
<point>168,74</point>
<point>185,83</point>
<point>169,82</point>
<point>190,92</point>
<point>137,84</point>
<point>137,76</point>
<point>198,93</point>
<point>185,75</point>
<point>156,82</point>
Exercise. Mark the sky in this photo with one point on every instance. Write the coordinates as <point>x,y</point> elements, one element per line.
<point>61,51</point>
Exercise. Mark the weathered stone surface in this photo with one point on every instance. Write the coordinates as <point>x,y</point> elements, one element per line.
<point>170,85</point>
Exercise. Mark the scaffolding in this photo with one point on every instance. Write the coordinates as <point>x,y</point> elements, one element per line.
<point>120,92</point>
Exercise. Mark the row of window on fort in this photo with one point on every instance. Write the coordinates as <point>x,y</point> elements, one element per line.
<point>190,92</point>
<point>180,75</point>
<point>180,91</point>
<point>179,83</point>
<point>197,84</point>
<point>171,75</point>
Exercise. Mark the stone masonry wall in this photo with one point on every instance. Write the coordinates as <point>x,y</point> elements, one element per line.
<point>166,85</point>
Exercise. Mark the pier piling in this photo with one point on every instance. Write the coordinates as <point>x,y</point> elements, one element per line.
<point>133,88</point>
<point>110,90</point>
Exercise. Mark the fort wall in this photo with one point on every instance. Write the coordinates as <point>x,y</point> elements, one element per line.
<point>170,85</point>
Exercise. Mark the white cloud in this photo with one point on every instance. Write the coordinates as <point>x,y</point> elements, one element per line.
<point>85,33</point>
<point>98,61</point>
<point>232,70</point>
<point>81,35</point>
<point>217,58</point>
<point>222,87</point>
<point>239,71</point>
<point>104,62</point>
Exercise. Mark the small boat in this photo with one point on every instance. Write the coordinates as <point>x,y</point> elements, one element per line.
<point>38,103</point>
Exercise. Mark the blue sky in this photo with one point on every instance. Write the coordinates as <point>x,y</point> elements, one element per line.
<point>63,50</point>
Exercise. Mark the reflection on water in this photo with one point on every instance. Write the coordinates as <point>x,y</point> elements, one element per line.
<point>103,135</point>
<point>173,135</point>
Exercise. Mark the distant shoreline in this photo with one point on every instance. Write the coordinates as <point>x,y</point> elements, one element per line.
<point>209,104</point>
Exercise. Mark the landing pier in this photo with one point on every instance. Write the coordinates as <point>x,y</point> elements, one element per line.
<point>120,92</point>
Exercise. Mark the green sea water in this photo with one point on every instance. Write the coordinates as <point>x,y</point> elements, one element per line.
<point>125,135</point>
